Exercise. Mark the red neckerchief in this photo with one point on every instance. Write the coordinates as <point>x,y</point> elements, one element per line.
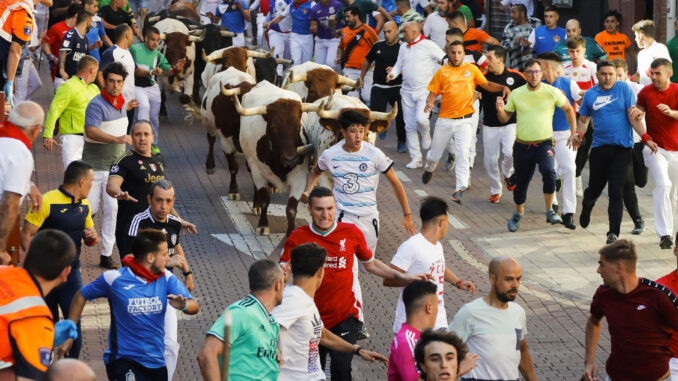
<point>140,270</point>
<point>116,102</point>
<point>9,130</point>
<point>264,7</point>
<point>421,37</point>
<point>296,5</point>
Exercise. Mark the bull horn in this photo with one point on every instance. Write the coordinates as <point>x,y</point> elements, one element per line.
<point>212,57</point>
<point>297,77</point>
<point>283,61</point>
<point>227,33</point>
<point>304,150</point>
<point>197,38</point>
<point>163,36</point>
<point>327,114</point>
<point>343,80</point>
<point>374,115</point>
<point>152,19</point>
<point>330,101</point>
<point>309,107</point>
<point>255,54</point>
<point>229,92</point>
<point>196,32</point>
<point>259,110</point>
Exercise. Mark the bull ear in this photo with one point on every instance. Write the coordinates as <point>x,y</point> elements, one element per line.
<point>379,126</point>
<point>330,124</point>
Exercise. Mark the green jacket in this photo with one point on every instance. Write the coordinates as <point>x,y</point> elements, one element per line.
<point>68,107</point>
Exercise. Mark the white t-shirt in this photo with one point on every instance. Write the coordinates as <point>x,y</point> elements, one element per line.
<point>435,28</point>
<point>418,255</point>
<point>584,74</point>
<point>355,175</point>
<point>208,6</point>
<point>300,332</point>
<point>125,58</point>
<point>645,58</point>
<point>495,335</point>
<point>16,167</point>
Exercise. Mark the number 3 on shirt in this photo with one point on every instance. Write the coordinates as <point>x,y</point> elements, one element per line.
<point>351,185</point>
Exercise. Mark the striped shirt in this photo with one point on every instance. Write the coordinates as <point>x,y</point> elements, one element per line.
<point>144,220</point>
<point>355,175</point>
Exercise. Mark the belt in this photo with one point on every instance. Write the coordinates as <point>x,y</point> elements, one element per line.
<point>79,134</point>
<point>534,142</point>
<point>463,117</point>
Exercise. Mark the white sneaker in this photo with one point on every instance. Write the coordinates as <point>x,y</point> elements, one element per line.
<point>426,140</point>
<point>580,187</point>
<point>415,163</point>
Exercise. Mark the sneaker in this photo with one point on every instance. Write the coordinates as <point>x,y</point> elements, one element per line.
<point>494,198</point>
<point>514,221</point>
<point>402,147</point>
<point>509,185</point>
<point>556,208</point>
<point>611,237</point>
<point>638,227</point>
<point>559,184</point>
<point>426,177</point>
<point>413,164</point>
<point>107,263</point>
<point>456,196</point>
<point>553,217</point>
<point>451,161</point>
<point>362,332</point>
<point>426,140</point>
<point>665,242</point>
<point>585,217</point>
<point>155,149</point>
<point>568,221</point>
<point>382,135</point>
<point>580,187</point>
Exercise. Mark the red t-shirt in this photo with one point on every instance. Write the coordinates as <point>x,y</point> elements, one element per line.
<point>54,37</point>
<point>335,298</point>
<point>662,128</point>
<point>641,324</point>
<point>670,280</point>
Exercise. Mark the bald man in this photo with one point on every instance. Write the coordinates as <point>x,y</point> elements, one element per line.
<point>494,327</point>
<point>594,52</point>
<point>384,55</point>
<point>70,370</point>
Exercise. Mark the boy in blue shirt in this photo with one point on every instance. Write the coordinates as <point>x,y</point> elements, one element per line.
<point>138,295</point>
<point>233,14</point>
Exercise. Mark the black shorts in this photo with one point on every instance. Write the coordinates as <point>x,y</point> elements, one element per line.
<point>125,370</point>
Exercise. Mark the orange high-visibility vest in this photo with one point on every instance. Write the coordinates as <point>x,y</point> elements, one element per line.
<point>16,19</point>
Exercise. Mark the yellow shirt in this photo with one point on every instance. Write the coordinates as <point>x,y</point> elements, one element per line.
<point>534,111</point>
<point>456,86</point>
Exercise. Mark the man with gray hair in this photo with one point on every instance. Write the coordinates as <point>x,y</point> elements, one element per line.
<point>22,127</point>
<point>69,370</point>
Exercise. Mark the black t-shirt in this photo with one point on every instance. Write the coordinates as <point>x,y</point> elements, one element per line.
<point>144,220</point>
<point>57,4</point>
<point>116,18</point>
<point>384,55</point>
<point>138,174</point>
<point>509,78</point>
<point>76,47</point>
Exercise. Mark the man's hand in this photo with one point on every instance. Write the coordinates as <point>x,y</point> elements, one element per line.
<point>180,64</point>
<point>124,196</point>
<point>664,109</point>
<point>590,372</point>
<point>390,76</point>
<point>500,105</point>
<point>409,225</point>
<point>304,196</point>
<point>574,141</point>
<point>177,301</point>
<point>49,143</point>
<point>653,146</point>
<point>36,197</point>
<point>477,95</point>
<point>124,139</point>
<point>285,267</point>
<point>64,348</point>
<point>413,277</point>
<point>156,71</point>
<point>429,107</point>
<point>63,330</point>
<point>187,227</point>
<point>5,258</point>
<point>468,363</point>
<point>372,356</point>
<point>636,113</point>
<point>132,104</point>
<point>90,236</point>
<point>64,76</point>
<point>96,44</point>
<point>505,92</point>
<point>467,285</point>
<point>9,91</point>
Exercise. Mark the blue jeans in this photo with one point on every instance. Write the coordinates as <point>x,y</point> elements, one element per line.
<point>61,298</point>
<point>525,158</point>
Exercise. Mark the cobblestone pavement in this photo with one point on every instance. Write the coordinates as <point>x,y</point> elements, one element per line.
<point>559,265</point>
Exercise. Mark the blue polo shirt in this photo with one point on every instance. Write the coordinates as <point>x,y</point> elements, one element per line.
<point>95,34</point>
<point>545,39</point>
<point>559,118</point>
<point>608,110</point>
<point>137,330</point>
<point>230,15</point>
<point>301,17</point>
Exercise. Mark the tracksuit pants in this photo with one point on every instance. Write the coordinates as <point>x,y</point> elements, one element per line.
<point>110,210</point>
<point>382,97</point>
<point>149,106</point>
<point>664,168</point>
<point>326,51</point>
<point>584,149</point>
<point>461,130</point>
<point>636,175</point>
<point>566,169</point>
<point>496,140</point>
<point>525,157</point>
<point>301,47</point>
<point>416,120</point>
<point>340,365</point>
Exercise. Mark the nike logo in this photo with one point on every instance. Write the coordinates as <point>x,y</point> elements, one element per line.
<point>602,102</point>
<point>343,333</point>
<point>128,287</point>
<point>335,166</point>
<point>641,307</point>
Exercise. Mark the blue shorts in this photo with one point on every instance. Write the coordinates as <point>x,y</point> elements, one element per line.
<point>136,4</point>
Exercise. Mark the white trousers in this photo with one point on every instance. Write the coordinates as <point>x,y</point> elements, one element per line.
<point>461,130</point>
<point>498,140</point>
<point>278,41</point>
<point>664,168</point>
<point>365,91</point>
<point>565,170</point>
<point>71,149</point>
<point>474,119</point>
<point>301,47</point>
<point>239,39</point>
<point>110,208</point>
<point>416,119</point>
<point>326,51</point>
<point>27,83</point>
<point>171,344</point>
<point>673,367</point>
<point>149,106</point>
<point>261,18</point>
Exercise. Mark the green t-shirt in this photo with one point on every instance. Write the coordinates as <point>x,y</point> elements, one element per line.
<point>466,11</point>
<point>149,60</point>
<point>534,111</point>
<point>254,338</point>
<point>366,8</point>
<point>104,3</point>
<point>410,15</point>
<point>672,45</point>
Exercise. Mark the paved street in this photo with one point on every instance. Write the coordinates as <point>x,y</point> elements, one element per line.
<point>559,265</point>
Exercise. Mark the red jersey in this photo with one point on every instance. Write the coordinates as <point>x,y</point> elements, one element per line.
<point>584,75</point>
<point>641,324</point>
<point>54,37</point>
<point>670,280</point>
<point>335,298</point>
<point>662,128</point>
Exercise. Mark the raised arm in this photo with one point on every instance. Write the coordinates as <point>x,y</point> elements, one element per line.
<point>592,335</point>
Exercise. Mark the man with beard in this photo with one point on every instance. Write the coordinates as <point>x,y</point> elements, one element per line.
<point>494,327</point>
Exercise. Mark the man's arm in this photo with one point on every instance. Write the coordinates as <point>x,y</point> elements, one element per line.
<point>208,357</point>
<point>380,21</point>
<point>77,305</point>
<point>9,212</point>
<point>635,117</point>
<point>570,115</point>
<point>27,233</point>
<point>114,189</point>
<point>62,63</point>
<point>525,366</point>
<point>493,87</point>
<point>62,98</point>
<point>182,263</point>
<point>577,136</point>
<point>380,269</point>
<point>402,200</point>
<point>592,334</point>
<point>452,278</point>
<point>103,137</point>
<point>311,181</point>
<point>336,343</point>
<point>502,114</point>
<point>388,282</point>
<point>13,59</point>
<point>430,101</point>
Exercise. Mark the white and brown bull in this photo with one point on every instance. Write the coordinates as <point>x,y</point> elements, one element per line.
<point>260,65</point>
<point>176,44</point>
<point>313,81</point>
<point>275,147</point>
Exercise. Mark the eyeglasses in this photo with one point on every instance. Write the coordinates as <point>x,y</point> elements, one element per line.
<point>533,72</point>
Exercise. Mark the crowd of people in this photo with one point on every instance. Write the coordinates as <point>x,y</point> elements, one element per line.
<point>546,97</point>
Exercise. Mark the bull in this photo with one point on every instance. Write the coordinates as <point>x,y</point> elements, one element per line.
<point>313,81</point>
<point>261,65</point>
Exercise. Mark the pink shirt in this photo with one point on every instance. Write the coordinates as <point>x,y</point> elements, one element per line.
<point>401,365</point>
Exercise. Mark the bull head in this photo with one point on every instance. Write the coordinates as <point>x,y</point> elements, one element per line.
<point>259,110</point>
